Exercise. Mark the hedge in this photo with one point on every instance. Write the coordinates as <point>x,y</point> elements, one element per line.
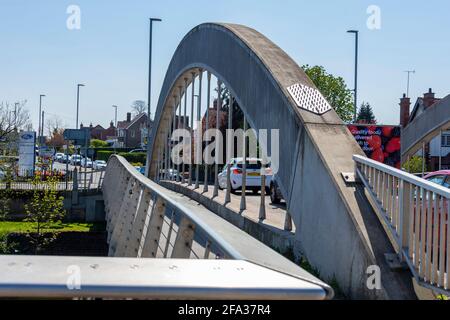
<point>131,157</point>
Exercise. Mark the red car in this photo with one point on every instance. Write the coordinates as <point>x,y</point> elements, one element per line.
<point>439,177</point>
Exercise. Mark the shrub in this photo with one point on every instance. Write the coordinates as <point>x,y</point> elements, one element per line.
<point>134,157</point>
<point>104,155</point>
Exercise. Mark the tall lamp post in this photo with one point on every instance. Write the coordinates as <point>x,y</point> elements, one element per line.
<point>356,32</point>
<point>147,165</point>
<point>40,113</point>
<point>78,101</point>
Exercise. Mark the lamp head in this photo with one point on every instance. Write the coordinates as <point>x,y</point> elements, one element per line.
<point>155,19</point>
<point>352,31</point>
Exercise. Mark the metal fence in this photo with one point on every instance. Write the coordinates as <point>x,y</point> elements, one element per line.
<point>82,179</point>
<point>416,215</point>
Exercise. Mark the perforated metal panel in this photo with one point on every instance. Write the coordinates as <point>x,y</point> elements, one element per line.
<point>309,98</point>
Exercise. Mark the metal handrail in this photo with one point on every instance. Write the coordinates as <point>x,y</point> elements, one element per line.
<point>408,177</point>
<point>416,217</point>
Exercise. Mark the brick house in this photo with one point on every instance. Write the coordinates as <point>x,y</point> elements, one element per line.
<point>437,146</point>
<point>132,133</point>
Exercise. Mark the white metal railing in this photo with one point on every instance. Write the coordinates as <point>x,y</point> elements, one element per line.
<point>416,214</point>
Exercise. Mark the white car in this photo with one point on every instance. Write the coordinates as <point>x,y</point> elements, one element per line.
<point>253,177</point>
<point>99,165</point>
<point>86,163</point>
<point>58,156</point>
<point>75,159</point>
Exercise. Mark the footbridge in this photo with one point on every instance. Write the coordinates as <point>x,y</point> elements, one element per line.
<point>186,230</point>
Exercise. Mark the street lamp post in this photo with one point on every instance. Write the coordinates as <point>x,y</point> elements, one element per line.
<point>78,101</point>
<point>40,113</point>
<point>407,84</point>
<point>356,32</point>
<point>147,165</point>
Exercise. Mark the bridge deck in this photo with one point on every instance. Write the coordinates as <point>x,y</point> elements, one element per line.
<point>275,213</point>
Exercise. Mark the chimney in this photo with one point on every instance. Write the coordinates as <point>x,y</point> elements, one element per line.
<point>111,124</point>
<point>405,104</point>
<point>428,98</point>
<point>128,116</point>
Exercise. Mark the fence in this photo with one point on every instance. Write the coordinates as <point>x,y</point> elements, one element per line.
<point>416,214</point>
<point>83,179</point>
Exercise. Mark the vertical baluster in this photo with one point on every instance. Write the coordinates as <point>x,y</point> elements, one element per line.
<point>183,241</point>
<point>429,235</point>
<point>435,227</point>
<point>442,220</point>
<point>216,162</point>
<point>243,204</point>
<point>417,222</point>
<point>411,213</point>
<point>185,125</point>
<point>403,216</point>
<point>207,249</point>
<point>423,232</point>
<point>447,250</point>
<point>208,99</point>
<point>230,149</point>
<point>389,197</point>
<point>199,132</point>
<point>382,191</point>
<point>192,127</point>
<point>180,94</point>
<point>394,203</point>
<point>174,116</point>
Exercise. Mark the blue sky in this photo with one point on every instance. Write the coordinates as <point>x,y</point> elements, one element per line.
<point>110,52</point>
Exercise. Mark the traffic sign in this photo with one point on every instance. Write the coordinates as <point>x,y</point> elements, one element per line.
<point>77,134</point>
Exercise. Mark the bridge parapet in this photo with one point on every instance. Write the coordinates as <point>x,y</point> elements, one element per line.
<point>146,220</point>
<point>415,216</point>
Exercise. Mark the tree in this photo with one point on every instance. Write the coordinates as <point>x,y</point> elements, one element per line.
<point>96,143</point>
<point>334,89</point>
<point>138,107</point>
<point>13,118</point>
<point>365,114</point>
<point>45,208</point>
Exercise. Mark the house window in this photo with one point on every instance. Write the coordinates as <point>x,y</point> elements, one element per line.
<point>132,133</point>
<point>445,140</point>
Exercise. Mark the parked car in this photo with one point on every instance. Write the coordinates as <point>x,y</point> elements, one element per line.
<point>253,177</point>
<point>65,158</point>
<point>140,169</point>
<point>75,160</point>
<point>58,156</point>
<point>439,177</point>
<point>275,192</point>
<point>86,163</point>
<point>99,165</point>
<point>137,150</point>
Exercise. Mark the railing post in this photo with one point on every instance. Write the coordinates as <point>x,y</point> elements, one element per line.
<point>185,125</point>
<point>243,204</point>
<point>199,148</point>
<point>262,205</point>
<point>192,127</point>
<point>208,98</point>
<point>180,91</point>
<point>148,247</point>
<point>230,149</point>
<point>288,221</point>
<point>216,164</point>
<point>404,217</point>
<point>183,241</point>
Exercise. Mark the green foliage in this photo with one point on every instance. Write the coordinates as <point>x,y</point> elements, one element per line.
<point>334,89</point>
<point>104,155</point>
<point>414,165</point>
<point>5,246</point>
<point>131,157</point>
<point>45,208</point>
<point>96,143</point>
<point>365,114</point>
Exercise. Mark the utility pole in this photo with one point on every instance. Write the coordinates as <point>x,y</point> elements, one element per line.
<point>149,110</point>
<point>356,32</point>
<point>407,83</point>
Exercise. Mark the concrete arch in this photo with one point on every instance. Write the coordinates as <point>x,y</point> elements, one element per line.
<point>335,226</point>
<point>425,127</point>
